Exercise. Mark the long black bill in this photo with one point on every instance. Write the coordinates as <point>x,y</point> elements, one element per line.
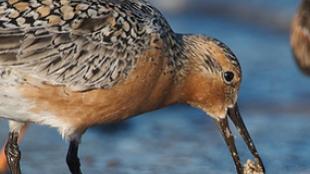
<point>229,139</point>
<point>235,116</point>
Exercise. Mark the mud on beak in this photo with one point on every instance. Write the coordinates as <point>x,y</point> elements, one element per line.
<point>234,115</point>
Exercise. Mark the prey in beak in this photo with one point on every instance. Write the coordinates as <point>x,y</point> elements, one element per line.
<point>234,115</point>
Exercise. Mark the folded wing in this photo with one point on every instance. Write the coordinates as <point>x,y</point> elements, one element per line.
<point>80,44</point>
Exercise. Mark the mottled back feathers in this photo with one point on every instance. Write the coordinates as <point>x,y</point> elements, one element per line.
<point>82,44</point>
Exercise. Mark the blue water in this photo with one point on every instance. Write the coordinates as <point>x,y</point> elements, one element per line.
<point>274,100</point>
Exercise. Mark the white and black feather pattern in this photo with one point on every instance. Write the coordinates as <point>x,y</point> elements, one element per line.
<point>77,43</point>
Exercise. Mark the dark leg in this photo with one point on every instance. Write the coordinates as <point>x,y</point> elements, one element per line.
<point>3,161</point>
<point>73,160</point>
<point>12,153</point>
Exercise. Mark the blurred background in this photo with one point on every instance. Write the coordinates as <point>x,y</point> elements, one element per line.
<point>274,100</point>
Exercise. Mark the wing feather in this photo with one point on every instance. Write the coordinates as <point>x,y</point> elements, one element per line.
<point>80,44</point>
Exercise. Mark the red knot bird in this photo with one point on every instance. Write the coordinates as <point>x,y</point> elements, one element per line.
<point>300,37</point>
<point>72,64</point>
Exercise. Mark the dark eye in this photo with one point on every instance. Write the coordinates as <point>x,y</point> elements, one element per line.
<point>229,76</point>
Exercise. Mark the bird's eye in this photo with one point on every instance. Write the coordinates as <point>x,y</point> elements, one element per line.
<point>228,76</point>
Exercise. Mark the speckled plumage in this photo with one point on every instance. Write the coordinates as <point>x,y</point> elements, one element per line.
<point>80,44</point>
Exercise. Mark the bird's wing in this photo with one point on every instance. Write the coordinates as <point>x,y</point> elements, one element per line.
<point>77,43</point>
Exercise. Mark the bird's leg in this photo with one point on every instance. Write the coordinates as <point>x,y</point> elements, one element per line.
<point>3,161</point>
<point>73,160</point>
<point>229,139</point>
<point>11,149</point>
<point>12,153</point>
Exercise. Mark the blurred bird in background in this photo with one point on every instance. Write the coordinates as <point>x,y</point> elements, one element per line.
<point>300,37</point>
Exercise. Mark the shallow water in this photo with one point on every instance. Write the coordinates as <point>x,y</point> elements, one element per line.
<point>178,140</point>
<point>274,100</point>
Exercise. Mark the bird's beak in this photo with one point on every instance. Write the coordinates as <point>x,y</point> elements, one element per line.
<point>234,115</point>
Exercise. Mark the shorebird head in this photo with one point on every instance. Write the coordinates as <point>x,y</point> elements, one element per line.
<point>212,75</point>
<point>211,79</point>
